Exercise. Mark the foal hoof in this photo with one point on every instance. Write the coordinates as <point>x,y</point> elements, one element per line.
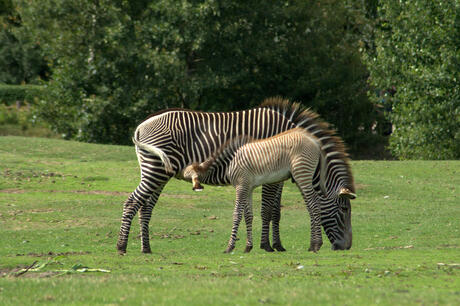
<point>279,247</point>
<point>248,249</point>
<point>266,246</point>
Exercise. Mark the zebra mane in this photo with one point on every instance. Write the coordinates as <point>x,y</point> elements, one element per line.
<point>332,145</point>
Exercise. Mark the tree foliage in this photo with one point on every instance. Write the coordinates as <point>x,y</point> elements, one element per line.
<point>416,55</point>
<point>114,62</point>
<point>21,60</point>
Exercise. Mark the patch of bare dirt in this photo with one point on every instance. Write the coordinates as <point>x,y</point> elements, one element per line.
<point>102,192</point>
<point>53,254</point>
<point>15,273</point>
<point>181,196</point>
<point>15,190</point>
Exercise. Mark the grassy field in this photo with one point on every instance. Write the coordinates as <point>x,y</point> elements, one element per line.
<point>60,208</point>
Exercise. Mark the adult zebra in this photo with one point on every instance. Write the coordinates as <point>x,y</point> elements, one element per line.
<point>171,139</point>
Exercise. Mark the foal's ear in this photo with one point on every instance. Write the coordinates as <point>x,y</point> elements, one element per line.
<point>347,194</point>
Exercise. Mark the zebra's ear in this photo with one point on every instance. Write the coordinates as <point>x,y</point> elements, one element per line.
<point>346,193</point>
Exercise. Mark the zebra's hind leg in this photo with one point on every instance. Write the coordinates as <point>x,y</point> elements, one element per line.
<point>145,213</point>
<point>144,197</point>
<point>271,211</point>
<point>130,209</point>
<point>266,216</point>
<point>241,201</point>
<point>276,217</point>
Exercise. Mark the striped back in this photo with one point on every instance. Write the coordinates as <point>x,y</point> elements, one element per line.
<point>192,137</point>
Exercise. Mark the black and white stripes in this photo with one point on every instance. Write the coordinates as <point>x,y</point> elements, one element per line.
<point>172,139</point>
<point>248,163</point>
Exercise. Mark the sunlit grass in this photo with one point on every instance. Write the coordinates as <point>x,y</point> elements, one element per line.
<point>61,201</point>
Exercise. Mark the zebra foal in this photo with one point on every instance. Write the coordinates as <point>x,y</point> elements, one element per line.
<point>295,153</point>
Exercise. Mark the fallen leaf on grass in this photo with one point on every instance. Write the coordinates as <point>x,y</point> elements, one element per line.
<point>390,248</point>
<point>451,266</point>
<point>80,268</point>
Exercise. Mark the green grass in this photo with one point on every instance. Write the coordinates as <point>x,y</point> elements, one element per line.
<point>61,202</point>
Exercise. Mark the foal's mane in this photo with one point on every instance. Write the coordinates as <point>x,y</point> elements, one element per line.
<point>332,145</point>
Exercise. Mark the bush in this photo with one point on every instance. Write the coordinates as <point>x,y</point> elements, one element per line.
<point>22,121</point>
<point>416,58</point>
<point>10,94</point>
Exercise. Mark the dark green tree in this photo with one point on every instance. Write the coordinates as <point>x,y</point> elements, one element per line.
<point>21,60</point>
<point>415,71</point>
<point>114,62</point>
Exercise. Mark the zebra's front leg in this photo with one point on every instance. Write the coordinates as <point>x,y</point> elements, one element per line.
<point>240,206</point>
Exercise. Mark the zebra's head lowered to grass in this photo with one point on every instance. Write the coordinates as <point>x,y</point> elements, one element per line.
<point>336,189</point>
<point>333,179</point>
<point>336,220</point>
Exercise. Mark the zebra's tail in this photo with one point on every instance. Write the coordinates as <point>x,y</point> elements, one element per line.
<point>157,152</point>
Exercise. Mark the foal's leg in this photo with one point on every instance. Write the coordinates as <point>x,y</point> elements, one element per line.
<point>248,216</point>
<point>302,174</point>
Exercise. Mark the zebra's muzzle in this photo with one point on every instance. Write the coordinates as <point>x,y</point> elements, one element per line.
<point>341,244</point>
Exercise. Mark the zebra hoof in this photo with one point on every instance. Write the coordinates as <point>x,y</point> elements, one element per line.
<point>121,248</point>
<point>314,247</point>
<point>229,249</point>
<point>147,251</point>
<point>248,249</point>
<point>266,246</point>
<point>198,187</point>
<point>279,247</point>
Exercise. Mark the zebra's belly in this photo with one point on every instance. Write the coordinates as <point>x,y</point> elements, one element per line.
<point>272,177</point>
